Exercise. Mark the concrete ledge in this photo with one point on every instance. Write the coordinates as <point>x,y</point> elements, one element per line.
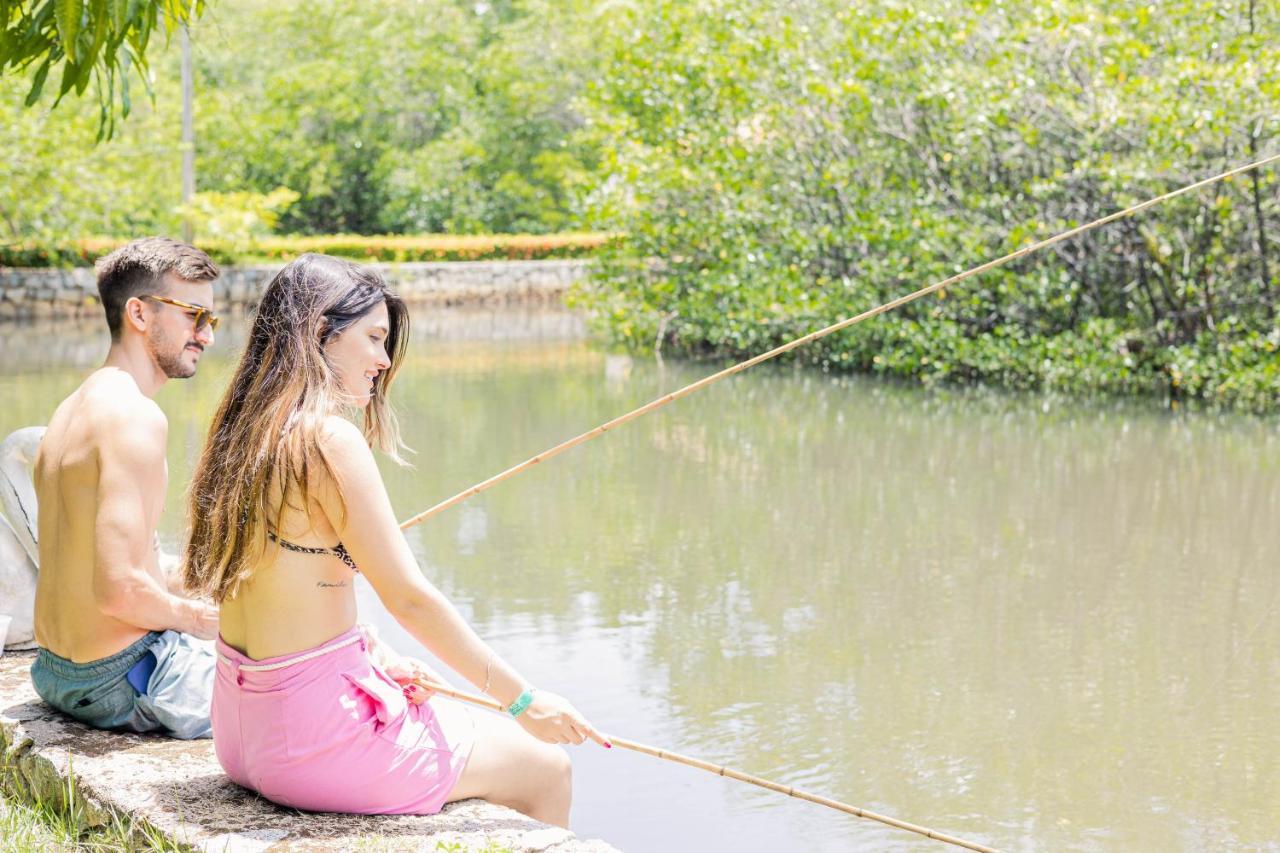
<point>177,788</point>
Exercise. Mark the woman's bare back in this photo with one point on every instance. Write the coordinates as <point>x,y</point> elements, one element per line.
<point>292,601</point>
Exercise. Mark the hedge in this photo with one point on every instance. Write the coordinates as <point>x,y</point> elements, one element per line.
<point>394,248</point>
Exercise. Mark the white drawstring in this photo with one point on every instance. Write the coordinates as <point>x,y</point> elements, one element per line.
<point>311,655</point>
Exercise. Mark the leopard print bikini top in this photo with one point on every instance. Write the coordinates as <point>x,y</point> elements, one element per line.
<point>336,551</point>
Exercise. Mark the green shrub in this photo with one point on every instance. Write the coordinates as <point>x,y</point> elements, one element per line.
<point>395,249</point>
<point>778,167</point>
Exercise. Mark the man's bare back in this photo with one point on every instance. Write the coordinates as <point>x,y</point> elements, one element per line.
<point>105,436</point>
<point>119,642</point>
<point>100,481</point>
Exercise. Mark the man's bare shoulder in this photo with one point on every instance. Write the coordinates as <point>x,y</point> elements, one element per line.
<point>106,408</point>
<point>115,414</point>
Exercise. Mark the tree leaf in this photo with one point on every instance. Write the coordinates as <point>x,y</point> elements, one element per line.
<point>66,14</point>
<point>100,20</point>
<point>119,16</point>
<point>37,82</point>
<point>82,77</point>
<point>69,75</point>
<point>126,101</point>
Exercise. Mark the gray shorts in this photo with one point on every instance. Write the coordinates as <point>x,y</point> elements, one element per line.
<point>177,692</point>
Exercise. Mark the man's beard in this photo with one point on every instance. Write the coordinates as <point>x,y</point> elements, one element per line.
<point>169,357</point>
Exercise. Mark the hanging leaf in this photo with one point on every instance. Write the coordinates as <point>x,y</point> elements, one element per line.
<point>70,72</point>
<point>83,76</point>
<point>86,38</point>
<point>126,101</point>
<point>67,15</point>
<point>140,60</point>
<point>101,26</point>
<point>37,82</point>
<point>119,16</point>
<point>106,117</point>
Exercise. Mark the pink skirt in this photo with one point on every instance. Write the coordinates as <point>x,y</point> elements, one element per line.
<point>327,730</point>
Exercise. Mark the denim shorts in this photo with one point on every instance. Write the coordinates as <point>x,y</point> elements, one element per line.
<point>176,700</point>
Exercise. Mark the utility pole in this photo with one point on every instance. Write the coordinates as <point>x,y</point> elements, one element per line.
<point>188,135</point>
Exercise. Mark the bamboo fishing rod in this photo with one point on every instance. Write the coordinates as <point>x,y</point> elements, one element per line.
<point>821,333</point>
<point>486,702</point>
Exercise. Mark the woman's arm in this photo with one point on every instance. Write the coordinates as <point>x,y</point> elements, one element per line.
<point>370,533</point>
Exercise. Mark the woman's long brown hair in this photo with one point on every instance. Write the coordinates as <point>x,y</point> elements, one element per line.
<point>263,445</point>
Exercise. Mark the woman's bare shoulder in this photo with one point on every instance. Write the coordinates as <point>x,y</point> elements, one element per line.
<point>343,445</point>
<point>353,482</point>
<point>336,433</point>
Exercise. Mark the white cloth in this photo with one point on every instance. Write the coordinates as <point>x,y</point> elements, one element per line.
<point>19,557</point>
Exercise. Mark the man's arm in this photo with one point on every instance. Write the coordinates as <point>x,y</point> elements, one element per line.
<point>131,484</point>
<point>170,570</point>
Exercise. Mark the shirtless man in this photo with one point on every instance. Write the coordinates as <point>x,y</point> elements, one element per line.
<point>116,634</point>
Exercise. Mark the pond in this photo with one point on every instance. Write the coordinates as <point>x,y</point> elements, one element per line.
<point>1031,622</point>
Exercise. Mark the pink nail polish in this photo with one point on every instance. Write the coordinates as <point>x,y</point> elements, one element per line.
<point>608,745</point>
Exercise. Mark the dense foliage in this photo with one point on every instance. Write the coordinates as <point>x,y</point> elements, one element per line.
<point>776,167</point>
<point>787,165</point>
<point>383,116</point>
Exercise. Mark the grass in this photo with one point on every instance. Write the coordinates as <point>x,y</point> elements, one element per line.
<point>38,826</point>
<point>455,847</point>
<point>27,826</point>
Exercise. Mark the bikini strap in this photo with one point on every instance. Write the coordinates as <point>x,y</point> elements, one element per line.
<point>338,551</point>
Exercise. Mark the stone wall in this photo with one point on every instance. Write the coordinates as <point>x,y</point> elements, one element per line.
<point>27,293</point>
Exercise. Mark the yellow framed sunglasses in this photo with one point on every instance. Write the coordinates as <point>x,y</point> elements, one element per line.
<point>202,316</point>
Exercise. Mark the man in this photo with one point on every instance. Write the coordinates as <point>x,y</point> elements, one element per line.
<point>114,630</point>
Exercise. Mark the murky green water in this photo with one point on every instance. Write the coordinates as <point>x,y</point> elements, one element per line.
<point>1042,626</point>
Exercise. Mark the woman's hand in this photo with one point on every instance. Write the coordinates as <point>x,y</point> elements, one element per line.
<point>552,719</point>
<point>408,672</point>
<point>405,671</point>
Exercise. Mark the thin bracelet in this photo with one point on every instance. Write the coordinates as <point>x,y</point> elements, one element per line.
<point>488,673</point>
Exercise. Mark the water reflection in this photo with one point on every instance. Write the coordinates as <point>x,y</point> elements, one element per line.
<point>1039,625</point>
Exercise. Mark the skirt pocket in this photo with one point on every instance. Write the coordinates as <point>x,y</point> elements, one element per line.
<point>383,698</point>
<point>339,714</point>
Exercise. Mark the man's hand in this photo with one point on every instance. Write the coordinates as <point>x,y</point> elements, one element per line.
<point>170,569</point>
<point>203,621</point>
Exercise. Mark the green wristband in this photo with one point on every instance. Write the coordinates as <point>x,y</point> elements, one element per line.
<point>523,701</point>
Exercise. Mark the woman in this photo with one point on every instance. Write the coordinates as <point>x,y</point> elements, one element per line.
<point>287,506</point>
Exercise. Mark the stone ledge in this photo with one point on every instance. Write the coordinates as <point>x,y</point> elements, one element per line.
<point>36,293</point>
<point>177,788</point>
